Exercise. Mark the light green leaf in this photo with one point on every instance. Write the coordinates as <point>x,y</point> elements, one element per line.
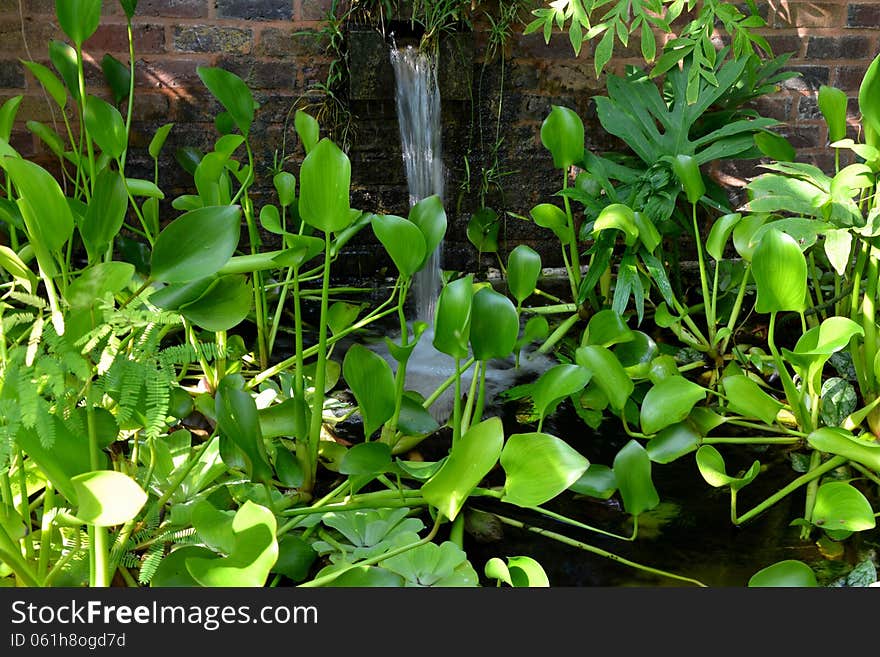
<point>494,325</point>
<point>107,497</point>
<point>842,507</point>
<point>673,442</point>
<point>232,93</point>
<point>745,397</point>
<point>325,180</point>
<point>787,573</point>
<point>670,400</point>
<point>632,472</point>
<point>780,272</point>
<point>538,467</point>
<point>711,465</point>
<point>371,381</point>
<point>607,373</point>
<point>196,244</point>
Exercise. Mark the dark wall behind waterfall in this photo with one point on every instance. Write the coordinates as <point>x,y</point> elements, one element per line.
<point>272,44</point>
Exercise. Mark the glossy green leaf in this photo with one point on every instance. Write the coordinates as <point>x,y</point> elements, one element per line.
<point>557,383</point>
<point>745,397</point>
<point>562,133</point>
<point>538,467</point>
<point>494,325</point>
<point>78,18</point>
<point>687,170</point>
<point>48,136</point>
<point>673,442</point>
<point>470,459</point>
<point>483,229</point>
<point>49,81</point>
<point>107,497</point>
<point>366,459</point>
<point>254,554</point>
<point>222,306</point>
<point>598,481</point>
<point>308,130</point>
<point>8,112</point>
<point>285,187</point>
<point>780,272</point>
<point>117,76</point>
<point>172,572</point>
<point>214,526</point>
<point>301,249</point>
<point>869,92</point>
<point>607,373</point>
<point>232,93</point>
<point>295,558</point>
<point>325,179</point>
<point>787,573</point>
<point>15,267</point>
<point>196,244</point>
<point>840,506</point>
<point>371,381</point>
<point>632,472</point>
<point>834,440</point>
<point>158,140</point>
<point>720,233</point>
<point>775,146</point>
<point>141,187</point>
<point>711,464</point>
<point>550,216</point>
<point>452,322</point>
<point>402,240</point>
<point>443,565</point>
<point>519,572</point>
<point>607,328</point>
<point>106,126</point>
<point>63,58</point>
<point>239,420</point>
<point>523,271</point>
<point>618,216</point>
<point>649,236</point>
<point>832,104</point>
<point>838,247</point>
<point>743,233</point>
<point>105,215</point>
<point>636,355</point>
<point>430,216</point>
<point>270,219</point>
<point>670,400</point>
<point>96,281</point>
<point>815,347</point>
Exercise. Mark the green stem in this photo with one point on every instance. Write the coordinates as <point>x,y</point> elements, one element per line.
<point>869,323</point>
<point>98,537</point>
<point>704,284</point>
<point>828,466</point>
<point>795,397</point>
<point>737,306</point>
<point>10,552</point>
<point>24,511</point>
<point>82,97</point>
<point>573,241</point>
<point>456,405</point>
<point>130,108</point>
<point>758,440</point>
<point>558,333</point>
<point>812,491</point>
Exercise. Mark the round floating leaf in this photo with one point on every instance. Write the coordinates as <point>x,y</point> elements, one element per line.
<point>788,573</point>
<point>539,467</point>
<point>557,383</point>
<point>285,187</point>
<point>482,230</point>
<point>324,187</point>
<point>366,459</point>
<point>523,271</point>
<point>470,459</point>
<point>96,281</point>
<point>670,400</point>
<point>402,240</point>
<point>494,325</point>
<point>632,472</point>
<point>673,442</point>
<point>295,558</point>
<point>636,355</point>
<point>452,320</point>
<point>196,244</point>
<point>598,481</point>
<point>840,506</point>
<point>371,381</point>
<point>780,272</point>
<point>107,497</point>
<point>562,133</point>
<point>710,462</point>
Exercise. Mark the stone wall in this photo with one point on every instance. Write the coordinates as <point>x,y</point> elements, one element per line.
<point>275,46</point>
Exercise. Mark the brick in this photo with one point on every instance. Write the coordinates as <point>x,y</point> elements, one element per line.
<point>289,43</point>
<point>808,109</point>
<point>210,38</point>
<point>173,8</point>
<point>810,78</point>
<point>808,14</point>
<point>863,15</point>
<point>314,10</point>
<point>843,47</point>
<point>177,74</point>
<point>261,75</point>
<point>148,39</point>
<point>849,78</point>
<point>804,136</point>
<point>11,74</point>
<point>776,106</point>
<point>264,10</point>
<point>785,43</point>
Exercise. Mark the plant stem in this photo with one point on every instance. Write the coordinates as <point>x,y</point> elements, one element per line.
<point>10,552</point>
<point>573,244</point>
<point>812,490</point>
<point>98,538</point>
<point>704,283</point>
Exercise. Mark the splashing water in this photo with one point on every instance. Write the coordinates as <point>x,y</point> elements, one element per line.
<point>418,113</point>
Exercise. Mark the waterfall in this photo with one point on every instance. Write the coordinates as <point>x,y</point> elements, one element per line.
<point>418,113</point>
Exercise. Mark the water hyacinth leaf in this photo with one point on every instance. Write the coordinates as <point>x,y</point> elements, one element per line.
<point>483,229</point>
<point>840,506</point>
<point>341,315</point>
<point>252,558</point>
<point>158,140</point>
<point>196,244</point>
<point>598,481</point>
<point>538,467</point>
<point>233,94</point>
<point>710,462</point>
<point>670,400</point>
<point>780,272</point>
<point>835,440</point>
<point>106,497</point>
<point>96,281</point>
<point>470,459</point>
<point>403,241</point>
<point>51,223</point>
<point>607,373</point>
<point>720,233</point>
<point>366,459</point>
<point>519,572</point>
<point>636,355</point>
<point>687,170</point>
<point>832,104</point>
<point>523,271</point>
<point>775,146</point>
<point>213,526</point>
<point>372,383</point>
<point>869,92</point>
<point>838,247</point>
<point>649,236</point>
<point>745,397</point>
<point>557,383</point>
<point>787,573</point>
<point>620,217</point>
<point>632,472</point>
<point>172,572</point>
<point>536,328</point>
<point>239,420</point>
<point>78,18</point>
<point>607,328</point>
<point>295,558</point>
<point>494,325</point>
<point>415,419</point>
<point>743,232</point>
<point>222,306</point>
<point>325,180</point>
<point>550,216</point>
<point>171,297</point>
<point>452,321</point>
<point>270,219</point>
<point>141,187</point>
<point>300,249</point>
<point>430,216</point>
<point>663,367</point>
<point>49,81</point>
<point>308,130</point>
<point>673,442</point>
<point>106,126</point>
<point>562,133</point>
<point>105,214</point>
<point>285,186</point>
<point>63,58</point>
<point>118,77</point>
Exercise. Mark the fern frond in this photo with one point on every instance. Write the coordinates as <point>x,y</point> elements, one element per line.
<point>133,377</point>
<point>45,425</point>
<point>29,299</point>
<point>150,562</point>
<point>158,386</point>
